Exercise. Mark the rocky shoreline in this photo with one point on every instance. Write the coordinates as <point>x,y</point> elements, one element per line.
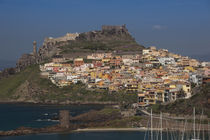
<point>57,129</point>
<point>58,103</point>
<point>27,130</point>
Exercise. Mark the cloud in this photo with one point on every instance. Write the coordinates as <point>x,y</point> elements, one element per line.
<point>158,27</point>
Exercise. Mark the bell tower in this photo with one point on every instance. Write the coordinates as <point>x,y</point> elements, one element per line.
<point>34,49</point>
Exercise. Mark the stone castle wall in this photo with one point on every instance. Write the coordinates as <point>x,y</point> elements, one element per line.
<point>118,28</point>
<point>67,37</point>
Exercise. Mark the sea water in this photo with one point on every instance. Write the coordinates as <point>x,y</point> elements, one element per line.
<point>13,116</point>
<point>116,135</point>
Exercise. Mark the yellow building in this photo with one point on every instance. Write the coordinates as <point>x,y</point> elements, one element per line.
<point>189,68</point>
<point>106,60</point>
<point>141,97</point>
<point>57,65</point>
<point>100,74</point>
<point>113,87</point>
<point>93,74</point>
<point>150,99</point>
<point>172,86</point>
<point>187,89</point>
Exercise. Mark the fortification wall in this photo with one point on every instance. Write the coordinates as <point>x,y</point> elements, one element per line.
<point>116,28</point>
<point>67,37</point>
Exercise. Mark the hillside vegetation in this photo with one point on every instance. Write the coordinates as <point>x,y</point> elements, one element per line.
<point>201,102</point>
<point>107,118</point>
<point>111,38</point>
<point>29,86</point>
<point>106,46</point>
<point>9,85</point>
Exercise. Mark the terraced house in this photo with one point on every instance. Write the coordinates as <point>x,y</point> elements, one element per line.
<point>157,76</point>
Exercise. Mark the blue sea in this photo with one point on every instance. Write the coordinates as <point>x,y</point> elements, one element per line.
<point>13,116</point>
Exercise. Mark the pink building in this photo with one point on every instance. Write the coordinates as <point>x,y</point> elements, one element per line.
<point>207,72</point>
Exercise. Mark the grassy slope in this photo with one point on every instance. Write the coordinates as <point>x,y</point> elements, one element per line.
<point>9,85</point>
<point>91,46</point>
<point>201,101</point>
<point>45,90</point>
<point>107,118</point>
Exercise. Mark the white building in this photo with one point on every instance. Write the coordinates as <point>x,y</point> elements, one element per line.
<point>166,60</point>
<point>145,51</point>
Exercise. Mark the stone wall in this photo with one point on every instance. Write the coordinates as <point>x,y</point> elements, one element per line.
<point>118,28</point>
<point>107,33</point>
<point>67,37</point>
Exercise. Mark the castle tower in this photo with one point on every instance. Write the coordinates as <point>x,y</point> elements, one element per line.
<point>34,49</point>
<point>64,118</point>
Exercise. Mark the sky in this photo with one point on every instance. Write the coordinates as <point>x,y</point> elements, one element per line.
<point>181,26</point>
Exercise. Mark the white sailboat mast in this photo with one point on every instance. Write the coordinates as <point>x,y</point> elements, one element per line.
<point>194,122</point>
<point>161,125</point>
<point>151,126</point>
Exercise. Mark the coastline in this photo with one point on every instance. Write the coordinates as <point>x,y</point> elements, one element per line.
<point>58,130</point>
<point>109,129</point>
<point>58,103</point>
<point>127,129</point>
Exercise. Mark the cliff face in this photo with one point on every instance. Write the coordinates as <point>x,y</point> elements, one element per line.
<point>48,50</point>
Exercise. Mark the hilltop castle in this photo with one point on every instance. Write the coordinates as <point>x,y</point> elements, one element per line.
<point>67,37</point>
<point>107,32</point>
<point>117,29</point>
<point>107,35</point>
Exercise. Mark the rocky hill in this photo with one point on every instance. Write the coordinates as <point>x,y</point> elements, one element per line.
<point>114,39</point>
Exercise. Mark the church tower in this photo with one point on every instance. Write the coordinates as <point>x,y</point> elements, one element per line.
<point>34,49</point>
